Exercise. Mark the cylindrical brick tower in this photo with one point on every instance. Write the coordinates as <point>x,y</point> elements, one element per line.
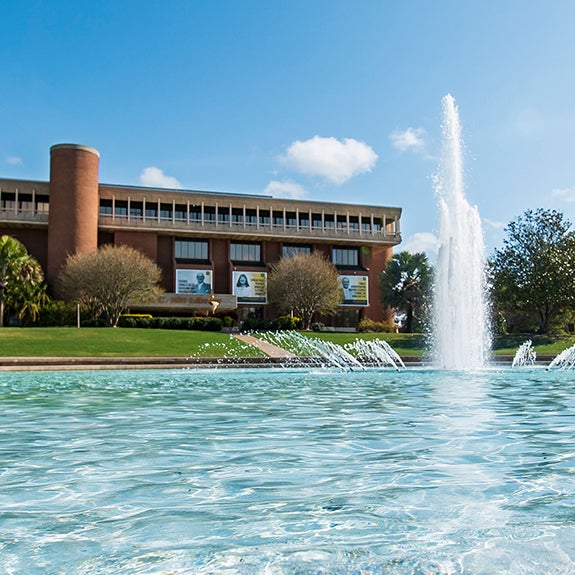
<point>74,205</point>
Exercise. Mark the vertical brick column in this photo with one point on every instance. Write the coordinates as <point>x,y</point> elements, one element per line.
<point>377,263</point>
<point>74,204</point>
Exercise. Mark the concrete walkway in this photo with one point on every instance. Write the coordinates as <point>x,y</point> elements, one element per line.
<point>269,349</point>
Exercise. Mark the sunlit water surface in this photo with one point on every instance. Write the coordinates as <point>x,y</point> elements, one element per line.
<point>271,472</point>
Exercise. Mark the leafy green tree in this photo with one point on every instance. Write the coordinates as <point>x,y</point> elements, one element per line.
<point>305,285</point>
<point>405,286</point>
<point>108,279</point>
<point>534,272</point>
<point>22,287</point>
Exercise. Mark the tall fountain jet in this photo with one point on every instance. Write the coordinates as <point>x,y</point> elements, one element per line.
<point>461,337</point>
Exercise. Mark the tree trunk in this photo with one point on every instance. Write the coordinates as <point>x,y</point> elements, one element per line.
<point>1,306</point>
<point>409,319</point>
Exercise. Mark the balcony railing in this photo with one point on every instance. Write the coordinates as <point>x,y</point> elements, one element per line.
<point>23,216</point>
<point>250,228</point>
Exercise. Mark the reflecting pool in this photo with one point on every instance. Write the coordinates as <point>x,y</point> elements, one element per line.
<point>288,472</point>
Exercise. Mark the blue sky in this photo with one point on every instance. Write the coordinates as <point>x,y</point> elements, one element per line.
<point>336,100</point>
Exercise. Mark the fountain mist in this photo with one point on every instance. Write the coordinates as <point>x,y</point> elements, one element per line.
<point>461,338</point>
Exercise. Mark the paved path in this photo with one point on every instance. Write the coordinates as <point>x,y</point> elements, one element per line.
<point>269,349</point>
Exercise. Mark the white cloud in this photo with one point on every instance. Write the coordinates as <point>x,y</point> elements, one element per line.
<point>421,242</point>
<point>410,139</point>
<point>287,189</point>
<point>14,161</point>
<point>332,159</point>
<point>565,194</point>
<point>155,178</point>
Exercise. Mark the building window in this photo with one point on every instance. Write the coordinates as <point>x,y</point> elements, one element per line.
<point>291,221</point>
<point>209,215</point>
<point>42,204</point>
<point>181,213</point>
<point>136,211</point>
<point>106,207</point>
<point>290,250</point>
<point>25,203</point>
<point>240,252</point>
<point>165,211</point>
<point>223,215</point>
<point>121,210</point>
<point>345,257</point>
<point>191,249</point>
<point>341,224</point>
<point>195,214</point>
<point>237,216</point>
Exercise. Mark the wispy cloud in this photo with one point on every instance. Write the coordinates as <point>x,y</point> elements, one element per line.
<point>14,161</point>
<point>335,160</point>
<point>527,123</point>
<point>565,194</point>
<point>421,242</point>
<point>155,178</point>
<point>285,189</point>
<point>412,139</point>
<point>496,225</point>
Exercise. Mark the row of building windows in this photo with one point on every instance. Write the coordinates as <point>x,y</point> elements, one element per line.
<point>237,216</point>
<point>197,250</point>
<point>24,203</point>
<point>212,215</point>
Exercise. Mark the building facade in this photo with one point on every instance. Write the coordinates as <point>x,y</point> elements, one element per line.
<point>214,248</point>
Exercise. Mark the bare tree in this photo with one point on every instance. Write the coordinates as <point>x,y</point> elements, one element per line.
<point>305,285</point>
<point>108,279</point>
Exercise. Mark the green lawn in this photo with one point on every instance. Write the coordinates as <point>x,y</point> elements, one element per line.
<point>119,342</point>
<point>132,342</point>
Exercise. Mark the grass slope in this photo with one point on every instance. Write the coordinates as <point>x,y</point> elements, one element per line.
<point>119,342</point>
<point>132,342</point>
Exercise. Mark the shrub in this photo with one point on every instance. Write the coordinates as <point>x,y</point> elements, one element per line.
<point>189,323</point>
<point>318,326</point>
<point>286,322</point>
<point>57,313</point>
<point>366,325</point>
<point>256,324</point>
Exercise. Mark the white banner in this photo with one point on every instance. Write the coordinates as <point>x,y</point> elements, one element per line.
<point>354,290</point>
<point>194,281</point>
<point>250,287</point>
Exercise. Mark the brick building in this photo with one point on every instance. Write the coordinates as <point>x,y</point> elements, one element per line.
<point>211,246</point>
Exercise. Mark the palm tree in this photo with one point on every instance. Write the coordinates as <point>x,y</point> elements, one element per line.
<point>405,286</point>
<point>21,279</point>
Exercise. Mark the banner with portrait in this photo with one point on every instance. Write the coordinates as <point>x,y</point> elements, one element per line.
<point>354,290</point>
<point>250,287</point>
<point>194,281</point>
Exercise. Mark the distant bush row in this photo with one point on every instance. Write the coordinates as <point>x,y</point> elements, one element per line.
<point>60,314</point>
<point>280,323</point>
<point>189,323</point>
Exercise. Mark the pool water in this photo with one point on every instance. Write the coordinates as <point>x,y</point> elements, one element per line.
<point>288,472</point>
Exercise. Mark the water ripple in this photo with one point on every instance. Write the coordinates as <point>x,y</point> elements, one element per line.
<point>270,472</point>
